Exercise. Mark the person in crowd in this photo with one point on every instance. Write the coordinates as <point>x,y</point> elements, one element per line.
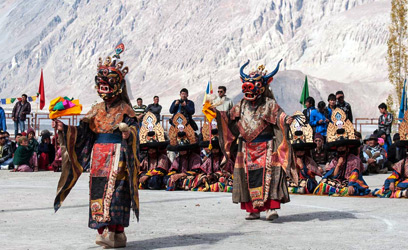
<point>185,107</point>
<point>184,141</point>
<point>344,173</point>
<point>396,185</point>
<point>139,109</point>
<point>310,106</point>
<point>46,152</point>
<point>303,180</point>
<point>319,154</point>
<point>153,169</point>
<point>9,142</point>
<point>223,103</point>
<point>395,153</point>
<point>181,174</point>
<point>32,141</point>
<point>19,114</point>
<point>345,106</point>
<point>3,125</point>
<point>155,165</point>
<point>155,108</point>
<point>6,152</point>
<point>319,119</point>
<point>57,163</point>
<point>385,122</point>
<point>373,156</point>
<point>25,159</point>
<point>331,105</point>
<point>212,176</point>
<point>382,137</point>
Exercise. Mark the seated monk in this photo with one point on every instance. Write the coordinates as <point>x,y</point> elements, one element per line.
<point>344,173</point>
<point>303,179</point>
<point>155,164</point>
<point>211,175</point>
<point>184,141</point>
<point>396,185</point>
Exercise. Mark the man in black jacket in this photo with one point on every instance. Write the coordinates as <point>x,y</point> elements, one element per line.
<point>155,108</point>
<point>6,153</point>
<point>385,122</point>
<point>345,106</point>
<point>20,112</point>
<point>185,107</point>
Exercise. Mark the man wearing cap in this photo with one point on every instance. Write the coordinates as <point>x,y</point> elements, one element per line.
<point>373,156</point>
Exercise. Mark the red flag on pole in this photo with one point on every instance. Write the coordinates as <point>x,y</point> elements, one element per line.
<point>41,91</point>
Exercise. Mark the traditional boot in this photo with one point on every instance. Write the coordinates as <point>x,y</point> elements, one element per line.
<point>106,239</point>
<point>120,240</point>
<point>253,216</point>
<point>271,214</point>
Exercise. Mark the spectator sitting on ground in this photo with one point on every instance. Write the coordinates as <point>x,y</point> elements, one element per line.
<point>319,154</point>
<point>10,142</point>
<point>155,108</point>
<point>6,153</point>
<point>46,152</point>
<point>373,156</point>
<point>319,120</point>
<point>381,134</point>
<point>357,151</point>
<point>32,141</point>
<point>25,159</point>
<point>310,105</point>
<point>185,107</point>
<point>395,154</point>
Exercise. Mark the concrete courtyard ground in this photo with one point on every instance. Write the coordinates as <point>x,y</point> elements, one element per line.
<point>193,220</point>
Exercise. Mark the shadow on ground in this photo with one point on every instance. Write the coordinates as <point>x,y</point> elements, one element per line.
<point>181,240</point>
<point>321,216</point>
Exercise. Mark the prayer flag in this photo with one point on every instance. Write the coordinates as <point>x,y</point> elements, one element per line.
<point>208,91</point>
<point>3,101</point>
<point>403,104</point>
<point>8,100</point>
<point>12,100</point>
<point>305,93</point>
<point>34,98</point>
<point>41,91</point>
<point>30,99</point>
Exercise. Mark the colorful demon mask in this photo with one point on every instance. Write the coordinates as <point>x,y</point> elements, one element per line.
<point>110,80</point>
<point>254,84</point>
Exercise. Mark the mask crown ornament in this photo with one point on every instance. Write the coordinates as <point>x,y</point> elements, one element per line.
<point>110,78</point>
<point>254,84</point>
<point>301,132</point>
<point>340,132</point>
<point>181,134</point>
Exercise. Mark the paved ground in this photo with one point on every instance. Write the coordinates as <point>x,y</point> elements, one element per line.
<point>192,220</point>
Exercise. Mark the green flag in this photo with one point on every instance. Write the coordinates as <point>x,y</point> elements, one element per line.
<point>305,93</point>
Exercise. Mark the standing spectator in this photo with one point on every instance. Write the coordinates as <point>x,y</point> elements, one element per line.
<point>6,153</point>
<point>139,109</point>
<point>185,107</point>
<point>20,111</point>
<point>345,106</point>
<point>155,108</point>
<point>331,105</point>
<point>318,119</point>
<point>223,103</point>
<point>310,106</point>
<point>3,125</point>
<point>385,122</point>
